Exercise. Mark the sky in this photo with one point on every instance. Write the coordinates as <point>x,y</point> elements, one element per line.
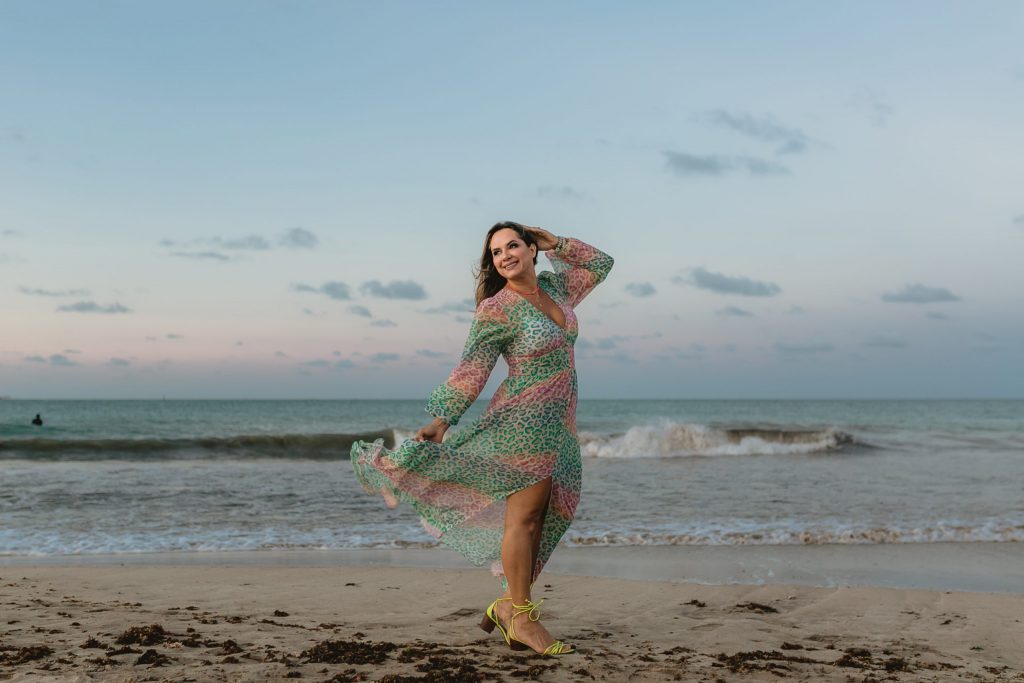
<point>253,199</point>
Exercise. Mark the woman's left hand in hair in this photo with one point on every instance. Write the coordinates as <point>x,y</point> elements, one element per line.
<point>544,239</point>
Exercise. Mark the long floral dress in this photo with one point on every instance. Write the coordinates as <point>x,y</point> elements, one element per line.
<point>526,434</point>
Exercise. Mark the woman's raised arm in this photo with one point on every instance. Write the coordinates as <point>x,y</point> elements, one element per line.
<point>579,266</point>
<point>489,334</point>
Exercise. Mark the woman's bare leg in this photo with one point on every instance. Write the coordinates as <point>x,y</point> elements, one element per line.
<point>524,519</point>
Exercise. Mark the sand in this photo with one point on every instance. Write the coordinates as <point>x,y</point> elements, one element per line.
<point>250,621</point>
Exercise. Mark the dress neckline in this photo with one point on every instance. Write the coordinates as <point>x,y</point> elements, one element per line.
<point>539,284</point>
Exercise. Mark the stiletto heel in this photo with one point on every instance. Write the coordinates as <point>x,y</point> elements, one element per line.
<point>555,648</point>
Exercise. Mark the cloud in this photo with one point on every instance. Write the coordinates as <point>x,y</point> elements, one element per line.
<point>563,192</point>
<point>686,165</point>
<point>726,284</point>
<point>383,357</point>
<point>10,233</point>
<point>171,335</point>
<point>1018,220</point>
<point>338,291</point>
<point>35,291</point>
<point>298,238</point>
<point>360,310</point>
<point>733,311</point>
<point>871,105</point>
<point>201,255</point>
<point>920,294</point>
<point>809,348</point>
<point>428,353</point>
<point>394,290</point>
<point>884,342</point>
<point>319,363</point>
<point>93,307</point>
<point>640,289</point>
<point>118,362</point>
<point>935,315</point>
<point>56,359</point>
<point>384,323</point>
<point>310,312</point>
<point>795,310</point>
<point>464,306</point>
<point>280,354</point>
<point>11,258</point>
<point>247,243</point>
<point>790,140</point>
<point>343,364</point>
<point>73,351</point>
<point>619,357</point>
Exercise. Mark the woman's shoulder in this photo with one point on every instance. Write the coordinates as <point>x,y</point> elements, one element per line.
<point>494,305</point>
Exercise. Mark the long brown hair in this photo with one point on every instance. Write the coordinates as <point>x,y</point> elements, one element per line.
<point>488,280</point>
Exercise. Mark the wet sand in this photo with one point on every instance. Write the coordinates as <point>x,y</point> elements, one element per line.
<point>259,622</point>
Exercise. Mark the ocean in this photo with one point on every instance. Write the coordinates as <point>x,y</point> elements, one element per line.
<point>194,476</point>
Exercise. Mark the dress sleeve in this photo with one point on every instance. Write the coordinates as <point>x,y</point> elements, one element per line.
<point>489,334</point>
<point>579,267</point>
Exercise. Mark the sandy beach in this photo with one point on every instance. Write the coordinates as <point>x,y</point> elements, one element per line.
<point>259,621</point>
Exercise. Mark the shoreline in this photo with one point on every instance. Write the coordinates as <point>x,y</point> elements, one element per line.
<point>954,566</point>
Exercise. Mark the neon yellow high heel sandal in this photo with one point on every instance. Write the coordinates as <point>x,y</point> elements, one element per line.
<point>491,620</point>
<point>531,607</point>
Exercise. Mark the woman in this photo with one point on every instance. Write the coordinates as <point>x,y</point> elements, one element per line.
<point>504,488</point>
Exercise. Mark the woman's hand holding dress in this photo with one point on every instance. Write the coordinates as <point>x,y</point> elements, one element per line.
<point>432,432</point>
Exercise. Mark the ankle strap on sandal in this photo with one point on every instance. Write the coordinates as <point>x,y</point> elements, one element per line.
<point>529,608</point>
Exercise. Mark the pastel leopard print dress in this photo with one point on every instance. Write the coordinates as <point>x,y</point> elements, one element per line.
<point>526,434</point>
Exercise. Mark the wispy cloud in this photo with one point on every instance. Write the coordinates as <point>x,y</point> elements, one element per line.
<point>10,233</point>
<point>384,323</point>
<point>733,312</point>
<point>935,315</point>
<point>293,238</point>
<point>920,294</point>
<point>429,353</point>
<point>338,291</point>
<point>93,307</point>
<point>640,289</point>
<point>1018,220</point>
<point>360,310</point>
<point>35,291</point>
<point>727,284</point>
<point>564,192</point>
<point>298,238</point>
<point>202,255</point>
<point>383,357</point>
<point>395,289</point>
<point>118,362</point>
<point>464,306</point>
<point>873,106</point>
<point>690,165</point>
<point>57,359</point>
<point>171,335</point>
<point>765,129</point>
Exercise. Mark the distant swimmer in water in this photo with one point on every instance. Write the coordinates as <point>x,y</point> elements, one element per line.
<point>38,422</point>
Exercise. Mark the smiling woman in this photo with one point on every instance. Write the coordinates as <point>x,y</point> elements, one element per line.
<point>504,489</point>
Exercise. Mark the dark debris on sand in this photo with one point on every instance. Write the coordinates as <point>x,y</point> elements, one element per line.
<point>348,652</point>
<point>22,655</point>
<point>153,658</point>
<point>757,607</point>
<point>154,634</point>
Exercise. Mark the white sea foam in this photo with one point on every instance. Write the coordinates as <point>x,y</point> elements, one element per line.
<point>676,439</point>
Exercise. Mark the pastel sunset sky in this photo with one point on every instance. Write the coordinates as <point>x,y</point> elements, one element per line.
<point>285,199</point>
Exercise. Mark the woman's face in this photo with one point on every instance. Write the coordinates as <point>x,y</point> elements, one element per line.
<point>511,255</point>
